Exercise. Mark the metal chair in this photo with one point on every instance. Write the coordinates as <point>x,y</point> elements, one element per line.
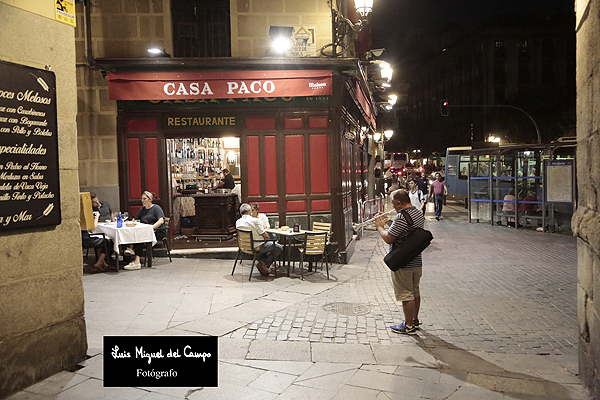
<point>163,240</point>
<point>246,245</point>
<point>314,245</point>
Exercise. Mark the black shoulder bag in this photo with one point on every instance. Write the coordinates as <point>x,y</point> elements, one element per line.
<point>411,246</point>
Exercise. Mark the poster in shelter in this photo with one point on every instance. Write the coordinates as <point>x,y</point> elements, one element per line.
<point>559,181</point>
<point>29,174</point>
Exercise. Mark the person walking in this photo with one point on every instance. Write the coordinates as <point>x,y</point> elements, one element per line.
<point>423,187</point>
<point>417,198</point>
<point>438,191</point>
<point>405,280</point>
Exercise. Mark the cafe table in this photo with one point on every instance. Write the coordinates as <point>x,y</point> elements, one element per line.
<point>286,234</point>
<point>129,234</point>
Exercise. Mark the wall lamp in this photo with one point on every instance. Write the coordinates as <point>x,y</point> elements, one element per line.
<point>281,38</point>
<point>342,26</point>
<point>158,52</point>
<point>388,134</point>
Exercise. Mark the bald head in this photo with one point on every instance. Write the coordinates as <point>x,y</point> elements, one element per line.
<point>401,196</point>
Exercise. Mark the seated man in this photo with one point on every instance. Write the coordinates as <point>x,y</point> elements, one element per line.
<point>103,208</point>
<point>269,250</point>
<point>89,240</point>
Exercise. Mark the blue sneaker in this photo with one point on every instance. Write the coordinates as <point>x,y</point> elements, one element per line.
<point>402,328</point>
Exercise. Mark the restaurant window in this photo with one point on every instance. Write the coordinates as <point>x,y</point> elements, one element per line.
<point>201,28</point>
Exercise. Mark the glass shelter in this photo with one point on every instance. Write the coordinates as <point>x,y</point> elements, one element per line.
<point>530,186</point>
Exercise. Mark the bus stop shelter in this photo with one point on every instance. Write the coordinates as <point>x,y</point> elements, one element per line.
<point>523,185</point>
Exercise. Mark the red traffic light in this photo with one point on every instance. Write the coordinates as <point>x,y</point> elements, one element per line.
<point>444,107</point>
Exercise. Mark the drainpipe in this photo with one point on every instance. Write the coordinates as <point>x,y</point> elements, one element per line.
<point>90,60</point>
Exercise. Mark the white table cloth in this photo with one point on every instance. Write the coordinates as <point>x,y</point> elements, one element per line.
<point>141,233</point>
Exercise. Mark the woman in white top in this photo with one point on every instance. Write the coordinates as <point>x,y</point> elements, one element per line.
<point>416,196</point>
<point>264,220</point>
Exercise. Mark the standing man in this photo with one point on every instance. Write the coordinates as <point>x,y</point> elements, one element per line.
<point>268,248</point>
<point>437,191</point>
<point>405,280</point>
<point>227,182</point>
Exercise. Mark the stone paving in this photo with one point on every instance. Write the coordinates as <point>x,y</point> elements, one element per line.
<point>483,288</point>
<point>498,314</point>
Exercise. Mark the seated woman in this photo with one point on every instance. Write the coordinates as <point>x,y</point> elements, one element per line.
<point>149,214</point>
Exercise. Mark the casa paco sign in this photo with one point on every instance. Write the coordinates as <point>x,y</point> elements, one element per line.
<point>218,85</point>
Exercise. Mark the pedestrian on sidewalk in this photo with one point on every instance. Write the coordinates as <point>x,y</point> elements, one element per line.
<point>437,192</point>
<point>423,187</point>
<point>405,280</point>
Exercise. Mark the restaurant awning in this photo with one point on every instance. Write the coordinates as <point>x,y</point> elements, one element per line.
<point>181,85</point>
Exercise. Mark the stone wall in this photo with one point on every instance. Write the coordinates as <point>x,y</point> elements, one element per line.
<point>119,29</point>
<point>586,221</point>
<point>42,327</point>
<point>251,19</point>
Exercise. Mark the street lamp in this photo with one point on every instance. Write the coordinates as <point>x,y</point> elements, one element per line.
<point>388,134</point>
<point>377,136</point>
<point>341,26</point>
<point>363,7</point>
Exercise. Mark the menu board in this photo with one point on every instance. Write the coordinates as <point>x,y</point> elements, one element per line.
<point>29,175</point>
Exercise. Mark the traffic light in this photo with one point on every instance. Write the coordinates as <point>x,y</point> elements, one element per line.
<point>444,107</point>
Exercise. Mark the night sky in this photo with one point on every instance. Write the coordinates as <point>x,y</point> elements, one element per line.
<point>395,24</point>
<point>410,29</point>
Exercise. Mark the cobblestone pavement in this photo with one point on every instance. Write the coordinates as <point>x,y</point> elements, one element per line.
<point>488,288</point>
<point>498,312</point>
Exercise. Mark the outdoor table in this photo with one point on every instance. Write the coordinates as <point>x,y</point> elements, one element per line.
<point>140,233</point>
<point>285,234</point>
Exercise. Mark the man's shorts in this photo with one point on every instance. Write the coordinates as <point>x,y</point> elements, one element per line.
<point>406,283</point>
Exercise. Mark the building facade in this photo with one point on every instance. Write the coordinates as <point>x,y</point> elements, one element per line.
<point>527,63</point>
<point>302,154</point>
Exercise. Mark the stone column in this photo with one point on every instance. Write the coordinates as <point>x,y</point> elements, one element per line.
<point>42,327</point>
<point>586,221</point>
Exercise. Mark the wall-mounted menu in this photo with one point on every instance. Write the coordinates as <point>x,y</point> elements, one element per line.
<point>29,175</point>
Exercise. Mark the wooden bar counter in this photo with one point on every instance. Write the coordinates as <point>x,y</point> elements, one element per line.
<point>216,214</point>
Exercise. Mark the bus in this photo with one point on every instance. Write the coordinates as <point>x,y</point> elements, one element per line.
<point>456,173</point>
<point>398,161</point>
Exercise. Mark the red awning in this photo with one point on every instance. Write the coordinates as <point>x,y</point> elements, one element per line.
<point>218,84</point>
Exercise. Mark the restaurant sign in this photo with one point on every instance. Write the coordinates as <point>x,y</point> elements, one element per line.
<point>218,84</point>
<point>199,122</point>
<point>29,176</point>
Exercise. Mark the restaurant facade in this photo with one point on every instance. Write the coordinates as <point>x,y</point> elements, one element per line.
<point>292,128</point>
<point>299,127</point>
